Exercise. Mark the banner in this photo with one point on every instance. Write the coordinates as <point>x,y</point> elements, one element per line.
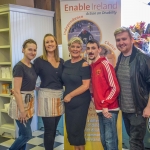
<point>89,19</point>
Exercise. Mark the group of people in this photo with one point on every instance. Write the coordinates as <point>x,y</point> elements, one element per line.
<point>127,87</point>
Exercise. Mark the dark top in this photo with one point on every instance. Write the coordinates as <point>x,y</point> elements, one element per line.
<point>139,64</point>
<point>72,76</point>
<point>50,76</point>
<point>76,110</point>
<point>28,76</point>
<point>126,97</point>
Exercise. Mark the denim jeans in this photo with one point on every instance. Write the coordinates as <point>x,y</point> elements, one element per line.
<point>135,125</point>
<point>50,126</point>
<point>25,134</point>
<point>108,131</point>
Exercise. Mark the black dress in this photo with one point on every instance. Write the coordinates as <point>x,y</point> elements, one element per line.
<point>76,110</point>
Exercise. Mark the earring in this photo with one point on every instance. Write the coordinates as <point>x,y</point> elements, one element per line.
<point>69,54</point>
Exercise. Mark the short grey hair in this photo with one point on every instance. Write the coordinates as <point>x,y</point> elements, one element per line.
<point>123,29</point>
<point>75,40</point>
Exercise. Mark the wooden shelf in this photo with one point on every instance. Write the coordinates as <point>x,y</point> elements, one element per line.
<point>4,30</point>
<point>3,110</point>
<point>5,63</point>
<point>8,126</point>
<point>5,95</point>
<point>5,13</point>
<point>5,46</point>
<point>8,130</point>
<point>5,79</point>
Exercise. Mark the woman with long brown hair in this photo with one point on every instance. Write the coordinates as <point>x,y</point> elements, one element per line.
<point>50,106</point>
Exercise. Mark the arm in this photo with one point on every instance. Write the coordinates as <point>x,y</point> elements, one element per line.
<point>18,97</point>
<point>112,81</point>
<point>36,65</point>
<point>85,85</point>
<point>146,76</point>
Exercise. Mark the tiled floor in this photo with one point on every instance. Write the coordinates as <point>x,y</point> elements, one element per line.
<point>36,143</point>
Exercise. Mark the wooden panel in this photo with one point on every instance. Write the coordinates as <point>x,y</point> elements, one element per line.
<point>2,2</point>
<point>58,22</point>
<point>48,4</point>
<point>29,3</point>
<point>53,5</point>
<point>42,4</point>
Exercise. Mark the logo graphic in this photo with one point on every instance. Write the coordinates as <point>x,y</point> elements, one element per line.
<point>98,72</point>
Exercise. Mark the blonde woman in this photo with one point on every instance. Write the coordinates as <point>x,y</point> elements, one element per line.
<point>76,78</point>
<point>50,107</point>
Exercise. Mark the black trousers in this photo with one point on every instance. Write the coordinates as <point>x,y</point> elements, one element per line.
<point>136,128</point>
<point>50,126</point>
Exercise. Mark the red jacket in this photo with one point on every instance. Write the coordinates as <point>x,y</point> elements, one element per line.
<point>105,86</point>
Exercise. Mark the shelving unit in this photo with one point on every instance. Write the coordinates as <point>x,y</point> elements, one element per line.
<point>17,24</point>
<point>3,110</point>
<point>6,46</point>
<point>7,125</point>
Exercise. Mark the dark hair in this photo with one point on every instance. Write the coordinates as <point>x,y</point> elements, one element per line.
<point>92,41</point>
<point>28,41</point>
<point>56,52</point>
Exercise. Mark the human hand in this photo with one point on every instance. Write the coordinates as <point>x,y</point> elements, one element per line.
<point>12,92</point>
<point>146,112</point>
<point>67,98</point>
<point>106,113</point>
<point>23,117</point>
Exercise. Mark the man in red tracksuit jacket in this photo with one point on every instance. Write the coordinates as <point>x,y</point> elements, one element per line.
<point>105,91</point>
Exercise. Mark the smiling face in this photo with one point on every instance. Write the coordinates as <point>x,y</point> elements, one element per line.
<point>50,44</point>
<point>93,51</point>
<point>30,51</point>
<point>124,43</point>
<point>75,50</point>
